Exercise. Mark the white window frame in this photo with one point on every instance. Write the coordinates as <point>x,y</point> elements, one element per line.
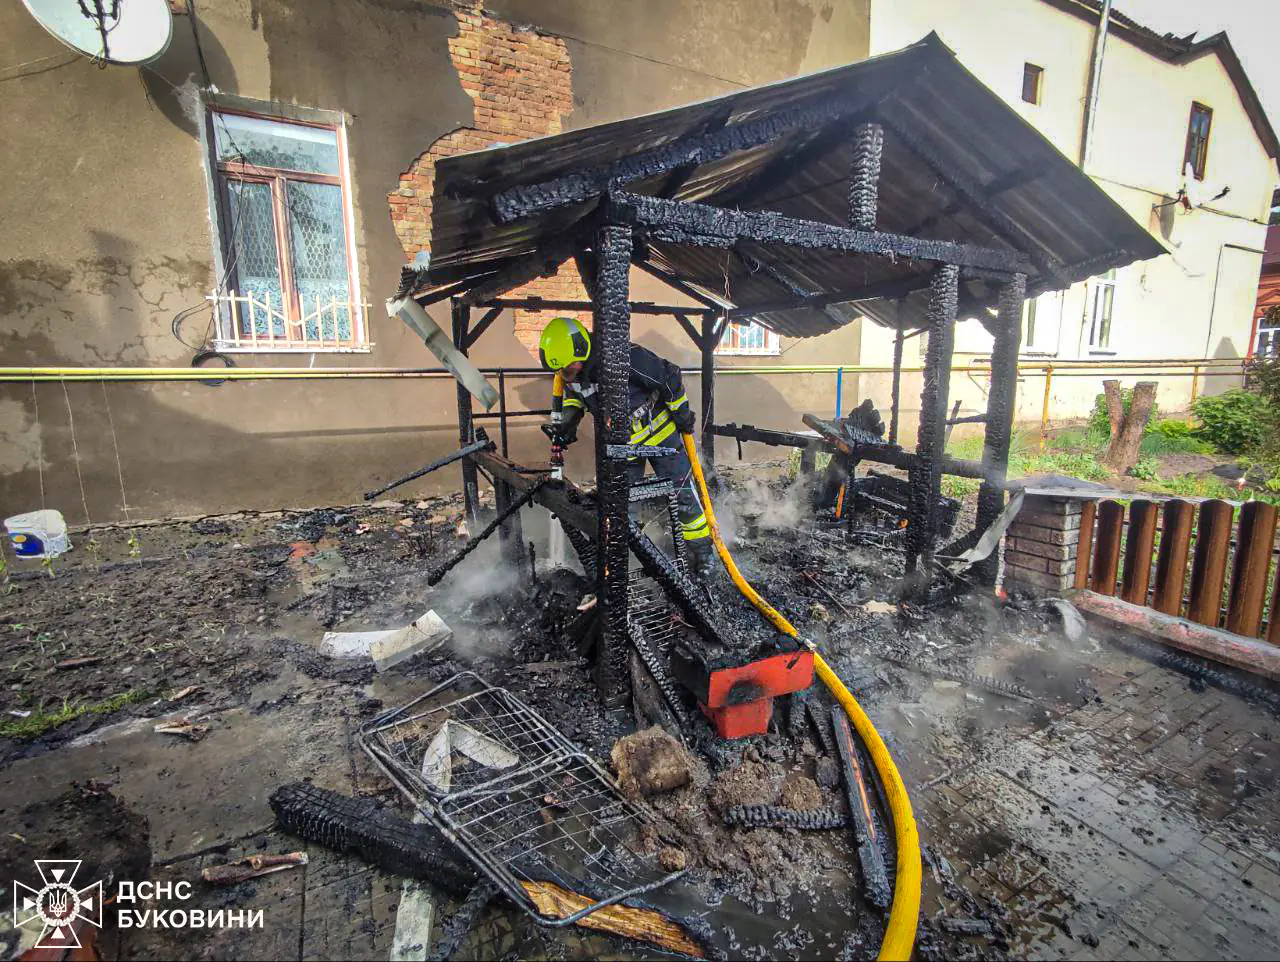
<point>1266,339</point>
<point>732,337</point>
<point>232,307</point>
<point>1099,312</point>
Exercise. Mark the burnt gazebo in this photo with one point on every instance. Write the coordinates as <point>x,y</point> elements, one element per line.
<point>900,189</point>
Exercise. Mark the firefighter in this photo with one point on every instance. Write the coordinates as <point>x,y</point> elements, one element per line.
<point>660,413</point>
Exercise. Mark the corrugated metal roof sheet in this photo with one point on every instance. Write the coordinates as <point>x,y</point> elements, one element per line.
<point>1058,214</point>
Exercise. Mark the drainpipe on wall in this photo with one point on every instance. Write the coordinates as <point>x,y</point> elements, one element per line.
<point>1095,80</point>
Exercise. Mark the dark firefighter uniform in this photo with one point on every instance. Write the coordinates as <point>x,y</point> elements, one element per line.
<point>660,412</point>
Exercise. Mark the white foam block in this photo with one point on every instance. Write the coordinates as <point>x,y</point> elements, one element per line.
<point>426,634</point>
<point>391,647</point>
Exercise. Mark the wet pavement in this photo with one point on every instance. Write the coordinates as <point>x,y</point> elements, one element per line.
<point>1140,825</point>
<point>1113,809</point>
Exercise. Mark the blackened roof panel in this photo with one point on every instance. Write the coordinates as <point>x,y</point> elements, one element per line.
<point>938,117</point>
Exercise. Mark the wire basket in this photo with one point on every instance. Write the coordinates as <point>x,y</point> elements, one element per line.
<point>525,804</point>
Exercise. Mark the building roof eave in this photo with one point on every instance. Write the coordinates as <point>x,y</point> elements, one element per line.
<point>1183,50</point>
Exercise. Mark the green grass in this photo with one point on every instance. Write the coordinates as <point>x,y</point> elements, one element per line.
<point>40,721</point>
<point>1068,454</point>
<point>1154,444</point>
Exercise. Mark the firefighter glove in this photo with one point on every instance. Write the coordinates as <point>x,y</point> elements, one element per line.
<point>684,419</point>
<point>561,435</point>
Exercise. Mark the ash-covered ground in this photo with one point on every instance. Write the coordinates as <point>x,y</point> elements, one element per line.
<point>1077,796</point>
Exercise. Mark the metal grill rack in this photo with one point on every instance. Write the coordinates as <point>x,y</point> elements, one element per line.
<point>651,627</point>
<point>520,800</point>
<point>651,611</point>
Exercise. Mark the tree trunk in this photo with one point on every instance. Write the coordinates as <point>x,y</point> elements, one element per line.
<point>1115,405</point>
<point>1122,454</point>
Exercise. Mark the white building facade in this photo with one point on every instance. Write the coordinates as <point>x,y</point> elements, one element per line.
<point>1178,138</point>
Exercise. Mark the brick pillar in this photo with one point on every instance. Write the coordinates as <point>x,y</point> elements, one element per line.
<point>1040,546</point>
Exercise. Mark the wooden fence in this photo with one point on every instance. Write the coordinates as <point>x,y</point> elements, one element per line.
<point>1176,556</point>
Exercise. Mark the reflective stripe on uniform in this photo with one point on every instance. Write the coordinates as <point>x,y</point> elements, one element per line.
<point>641,431</point>
<point>656,437</point>
<point>695,528</point>
<point>678,402</point>
<point>573,402</point>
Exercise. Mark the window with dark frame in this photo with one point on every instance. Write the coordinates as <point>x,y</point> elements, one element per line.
<point>1197,151</point>
<point>289,273</point>
<point>1032,77</point>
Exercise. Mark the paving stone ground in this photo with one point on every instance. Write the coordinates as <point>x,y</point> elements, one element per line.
<point>1141,825</point>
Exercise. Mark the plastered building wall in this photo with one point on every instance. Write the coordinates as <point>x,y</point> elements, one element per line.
<point>1196,301</point>
<point>108,237</point>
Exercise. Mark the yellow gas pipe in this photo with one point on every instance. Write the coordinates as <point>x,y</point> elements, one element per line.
<point>557,418</point>
<point>900,933</point>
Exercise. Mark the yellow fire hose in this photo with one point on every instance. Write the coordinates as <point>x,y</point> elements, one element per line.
<point>900,933</point>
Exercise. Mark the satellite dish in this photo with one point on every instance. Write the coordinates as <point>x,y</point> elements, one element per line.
<point>129,32</point>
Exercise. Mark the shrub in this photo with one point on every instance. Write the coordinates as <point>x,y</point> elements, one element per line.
<point>1145,470</point>
<point>1234,421</point>
<point>1262,377</point>
<point>1171,436</point>
<point>1172,428</point>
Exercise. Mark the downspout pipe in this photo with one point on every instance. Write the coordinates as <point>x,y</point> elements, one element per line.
<point>1095,82</point>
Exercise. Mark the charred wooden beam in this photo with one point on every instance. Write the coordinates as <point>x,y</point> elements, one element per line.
<point>999,417</point>
<point>883,453</point>
<point>704,225</point>
<point>757,266</point>
<point>895,391</point>
<point>998,186</point>
<point>485,322</point>
<point>677,284</point>
<point>895,288</point>
<point>564,500</point>
<point>785,165</point>
<point>710,337</point>
<point>678,177</point>
<point>613,419</point>
<point>870,858</point>
<point>542,263</point>
<point>976,195</point>
<point>506,508</point>
<point>689,329</point>
<point>466,430</point>
<point>543,304</point>
<point>695,150</point>
<point>864,178</point>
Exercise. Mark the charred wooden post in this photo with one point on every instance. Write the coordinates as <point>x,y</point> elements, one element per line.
<point>470,489</point>
<point>864,179</point>
<point>1007,329</point>
<point>926,476</point>
<point>613,347</point>
<point>511,531</point>
<point>896,390</point>
<point>708,347</point>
